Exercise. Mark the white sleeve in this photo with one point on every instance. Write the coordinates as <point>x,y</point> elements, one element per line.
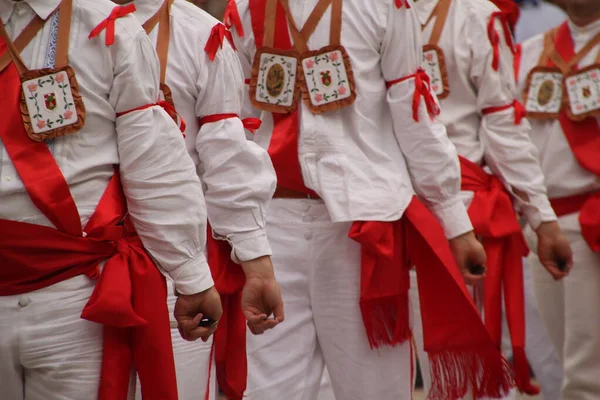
<point>431,157</point>
<point>163,191</point>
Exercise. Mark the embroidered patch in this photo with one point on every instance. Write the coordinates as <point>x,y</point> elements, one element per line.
<point>274,81</point>
<point>544,93</point>
<point>434,64</point>
<point>328,82</point>
<point>50,103</point>
<point>583,90</point>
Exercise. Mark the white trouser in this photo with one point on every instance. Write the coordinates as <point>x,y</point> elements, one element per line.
<point>570,311</point>
<point>326,390</point>
<point>318,269</point>
<point>47,352</point>
<point>191,362</point>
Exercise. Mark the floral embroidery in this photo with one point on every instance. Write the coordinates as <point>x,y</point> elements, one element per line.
<point>583,90</point>
<point>431,64</point>
<point>277,79</point>
<point>545,92</point>
<point>326,77</point>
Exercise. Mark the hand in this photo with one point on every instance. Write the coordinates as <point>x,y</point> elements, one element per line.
<point>261,296</point>
<point>190,309</point>
<point>468,253</point>
<point>554,250</point>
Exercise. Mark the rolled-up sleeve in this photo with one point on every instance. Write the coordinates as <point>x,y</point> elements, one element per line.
<point>509,152</point>
<point>238,174</point>
<point>431,157</point>
<point>163,191</point>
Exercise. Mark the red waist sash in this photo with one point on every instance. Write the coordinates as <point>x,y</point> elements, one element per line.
<point>130,296</point>
<point>495,221</point>
<point>588,206</point>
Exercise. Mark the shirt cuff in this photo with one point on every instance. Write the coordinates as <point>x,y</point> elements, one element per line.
<point>453,217</point>
<point>537,212</point>
<point>249,246</point>
<point>192,277</point>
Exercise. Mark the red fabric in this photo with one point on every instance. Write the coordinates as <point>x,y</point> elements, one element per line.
<point>422,90</point>
<point>169,109</point>
<point>252,124</point>
<point>218,34</point>
<point>494,37</point>
<point>520,111</point>
<point>587,205</point>
<point>230,338</point>
<point>584,140</point>
<point>400,3</point>
<point>494,219</point>
<point>232,18</point>
<point>130,296</point>
<point>283,148</point>
<point>511,10</point>
<point>109,23</point>
<point>517,60</point>
<point>463,356</point>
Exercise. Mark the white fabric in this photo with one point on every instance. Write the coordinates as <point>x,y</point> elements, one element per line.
<point>540,351</point>
<point>567,177</point>
<point>537,18</point>
<point>318,269</point>
<point>163,192</point>
<point>47,352</point>
<point>569,309</point>
<point>492,139</point>
<point>326,390</point>
<point>238,175</point>
<point>361,159</point>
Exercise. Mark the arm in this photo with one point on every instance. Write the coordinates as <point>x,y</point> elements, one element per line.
<point>430,155</point>
<point>509,152</point>
<point>238,174</point>
<point>163,192</point>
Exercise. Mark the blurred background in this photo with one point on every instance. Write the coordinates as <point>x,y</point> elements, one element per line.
<point>215,7</point>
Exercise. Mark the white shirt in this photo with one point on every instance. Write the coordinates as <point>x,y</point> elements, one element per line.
<point>564,175</point>
<point>492,139</point>
<point>164,195</point>
<point>238,175</point>
<point>366,161</point>
<point>538,18</point>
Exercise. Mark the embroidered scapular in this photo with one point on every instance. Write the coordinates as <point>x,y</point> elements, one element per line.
<point>51,105</point>
<point>434,61</point>
<point>324,77</point>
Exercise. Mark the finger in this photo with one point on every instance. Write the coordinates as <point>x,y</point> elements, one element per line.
<point>260,328</point>
<point>471,279</point>
<point>278,313</point>
<point>555,271</point>
<point>253,318</point>
<point>189,329</point>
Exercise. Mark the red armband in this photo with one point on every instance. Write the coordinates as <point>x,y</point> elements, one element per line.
<point>251,124</point>
<point>422,90</point>
<point>109,23</point>
<point>494,37</point>
<point>215,41</point>
<point>232,18</point>
<point>520,111</point>
<point>169,109</point>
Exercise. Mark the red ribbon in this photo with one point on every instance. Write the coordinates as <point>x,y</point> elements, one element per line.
<point>232,18</point>
<point>517,60</point>
<point>218,33</point>
<point>251,124</point>
<point>494,37</point>
<point>400,3</point>
<point>422,90</point>
<point>165,105</point>
<point>520,111</point>
<point>109,23</point>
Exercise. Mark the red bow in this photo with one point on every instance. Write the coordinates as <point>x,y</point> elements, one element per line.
<point>252,124</point>
<point>232,18</point>
<point>422,89</point>
<point>520,111</point>
<point>400,3</point>
<point>169,109</point>
<point>215,42</point>
<point>109,23</point>
<point>495,37</point>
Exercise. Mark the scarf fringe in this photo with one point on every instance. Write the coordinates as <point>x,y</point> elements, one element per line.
<point>386,320</point>
<point>454,373</point>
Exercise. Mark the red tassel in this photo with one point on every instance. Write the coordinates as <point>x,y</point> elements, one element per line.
<point>385,320</point>
<point>109,23</point>
<point>232,18</point>
<point>422,89</point>
<point>215,42</point>
<point>483,372</point>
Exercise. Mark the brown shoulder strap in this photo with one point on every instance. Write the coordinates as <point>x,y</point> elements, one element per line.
<point>151,23</point>
<point>270,15</point>
<point>440,13</point>
<point>584,51</point>
<point>65,11</point>
<point>335,32</point>
<point>13,53</point>
<point>301,36</point>
<point>161,16</point>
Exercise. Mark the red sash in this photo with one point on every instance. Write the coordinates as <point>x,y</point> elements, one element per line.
<point>494,219</point>
<point>584,140</point>
<point>130,296</point>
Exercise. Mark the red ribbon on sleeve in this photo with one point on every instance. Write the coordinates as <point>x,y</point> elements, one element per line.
<point>232,18</point>
<point>169,109</point>
<point>109,23</point>
<point>218,33</point>
<point>400,3</point>
<point>495,37</point>
<point>520,111</point>
<point>422,90</point>
<point>251,124</point>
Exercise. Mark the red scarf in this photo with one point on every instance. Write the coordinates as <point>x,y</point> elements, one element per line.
<point>460,362</point>
<point>584,140</point>
<point>130,296</point>
<point>494,219</point>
